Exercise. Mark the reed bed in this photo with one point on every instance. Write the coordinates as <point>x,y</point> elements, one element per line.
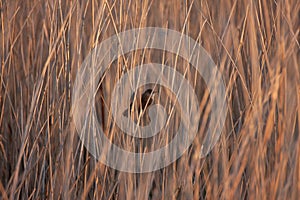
<point>255,44</point>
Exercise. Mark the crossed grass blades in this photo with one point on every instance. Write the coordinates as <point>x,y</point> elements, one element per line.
<point>256,47</point>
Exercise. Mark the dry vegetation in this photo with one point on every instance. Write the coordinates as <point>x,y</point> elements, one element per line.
<point>255,45</point>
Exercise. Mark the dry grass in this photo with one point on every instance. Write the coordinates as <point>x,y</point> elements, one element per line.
<point>254,43</point>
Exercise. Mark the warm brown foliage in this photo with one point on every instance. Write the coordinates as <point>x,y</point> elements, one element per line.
<point>255,44</point>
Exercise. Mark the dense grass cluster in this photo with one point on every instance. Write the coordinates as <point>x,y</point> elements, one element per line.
<point>255,44</point>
